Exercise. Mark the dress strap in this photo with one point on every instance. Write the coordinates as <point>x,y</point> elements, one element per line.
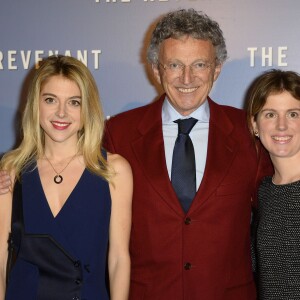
<point>17,227</point>
<point>17,205</point>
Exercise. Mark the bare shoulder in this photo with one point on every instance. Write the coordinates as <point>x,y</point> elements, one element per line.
<point>6,205</point>
<point>118,163</point>
<point>6,181</point>
<point>122,181</point>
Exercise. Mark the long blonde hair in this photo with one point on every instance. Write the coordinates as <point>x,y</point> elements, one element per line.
<point>92,118</point>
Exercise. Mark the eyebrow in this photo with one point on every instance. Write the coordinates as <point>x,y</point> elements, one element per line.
<point>176,60</point>
<point>272,109</point>
<point>53,95</point>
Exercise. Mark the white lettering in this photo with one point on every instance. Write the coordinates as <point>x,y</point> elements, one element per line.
<point>281,56</point>
<point>11,59</point>
<point>38,57</point>
<point>22,59</point>
<point>252,55</point>
<point>25,59</point>
<point>96,58</point>
<point>55,52</point>
<point>82,57</point>
<point>267,56</point>
<point>68,53</point>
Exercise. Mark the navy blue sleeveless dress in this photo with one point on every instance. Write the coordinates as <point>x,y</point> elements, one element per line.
<point>62,257</point>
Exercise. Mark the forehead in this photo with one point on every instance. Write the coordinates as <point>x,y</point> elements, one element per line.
<point>281,101</point>
<point>60,84</point>
<point>186,48</point>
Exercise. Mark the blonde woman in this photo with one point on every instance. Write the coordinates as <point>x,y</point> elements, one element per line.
<point>69,212</point>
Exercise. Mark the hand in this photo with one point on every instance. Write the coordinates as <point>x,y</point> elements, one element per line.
<point>5,182</point>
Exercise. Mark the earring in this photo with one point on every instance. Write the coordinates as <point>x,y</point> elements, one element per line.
<point>256,133</point>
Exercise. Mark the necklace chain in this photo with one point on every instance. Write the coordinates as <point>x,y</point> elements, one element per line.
<point>58,178</point>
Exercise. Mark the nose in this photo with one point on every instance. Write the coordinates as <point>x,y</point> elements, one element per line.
<point>187,75</point>
<point>281,123</point>
<point>61,110</point>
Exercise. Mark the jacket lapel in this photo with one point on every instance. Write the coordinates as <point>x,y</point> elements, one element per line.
<point>150,153</point>
<point>222,148</point>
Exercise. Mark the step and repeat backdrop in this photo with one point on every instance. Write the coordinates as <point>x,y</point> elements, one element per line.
<point>111,37</point>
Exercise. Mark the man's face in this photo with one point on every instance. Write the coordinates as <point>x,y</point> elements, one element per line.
<point>186,70</point>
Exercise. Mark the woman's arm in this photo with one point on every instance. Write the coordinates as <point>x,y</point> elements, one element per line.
<point>5,182</point>
<point>5,227</point>
<point>120,224</point>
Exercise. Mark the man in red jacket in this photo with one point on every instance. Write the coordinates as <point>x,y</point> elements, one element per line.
<point>194,184</point>
<point>199,248</point>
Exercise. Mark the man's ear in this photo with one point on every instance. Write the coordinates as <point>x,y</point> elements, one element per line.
<point>156,72</point>
<point>217,72</point>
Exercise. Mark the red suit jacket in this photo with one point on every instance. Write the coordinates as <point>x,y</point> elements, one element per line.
<point>204,254</point>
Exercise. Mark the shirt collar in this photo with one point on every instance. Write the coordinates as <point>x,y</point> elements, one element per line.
<point>170,114</point>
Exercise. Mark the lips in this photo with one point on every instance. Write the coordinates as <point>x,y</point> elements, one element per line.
<point>60,125</point>
<point>187,90</point>
<point>282,139</point>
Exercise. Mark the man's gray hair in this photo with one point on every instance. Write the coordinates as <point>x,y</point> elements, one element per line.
<point>187,22</point>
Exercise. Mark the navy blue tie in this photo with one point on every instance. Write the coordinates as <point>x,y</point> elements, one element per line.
<point>183,175</point>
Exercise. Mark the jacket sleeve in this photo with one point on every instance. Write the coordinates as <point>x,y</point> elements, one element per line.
<point>108,143</point>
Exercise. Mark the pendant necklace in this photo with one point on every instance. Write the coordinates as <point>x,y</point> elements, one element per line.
<point>58,179</point>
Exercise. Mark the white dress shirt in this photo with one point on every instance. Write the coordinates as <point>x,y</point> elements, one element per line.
<point>198,135</point>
